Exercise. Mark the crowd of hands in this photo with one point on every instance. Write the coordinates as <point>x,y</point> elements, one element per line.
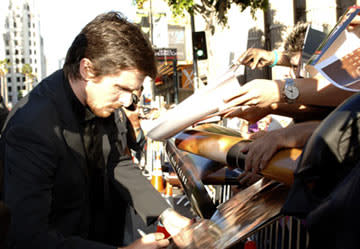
<point>256,99</point>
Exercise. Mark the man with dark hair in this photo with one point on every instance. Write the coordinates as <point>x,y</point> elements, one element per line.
<point>67,178</point>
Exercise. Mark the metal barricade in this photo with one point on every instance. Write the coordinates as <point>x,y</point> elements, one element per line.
<point>283,233</point>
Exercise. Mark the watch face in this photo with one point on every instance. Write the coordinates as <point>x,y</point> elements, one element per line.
<point>291,92</point>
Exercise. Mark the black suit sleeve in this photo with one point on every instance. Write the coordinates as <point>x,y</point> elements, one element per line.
<point>132,185</point>
<point>4,111</point>
<point>30,169</point>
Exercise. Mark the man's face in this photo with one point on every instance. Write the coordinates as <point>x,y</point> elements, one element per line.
<point>107,93</point>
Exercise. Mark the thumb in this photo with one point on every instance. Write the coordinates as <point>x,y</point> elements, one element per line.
<point>152,237</point>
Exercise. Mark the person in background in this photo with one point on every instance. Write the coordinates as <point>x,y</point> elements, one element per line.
<point>136,136</point>
<point>67,177</point>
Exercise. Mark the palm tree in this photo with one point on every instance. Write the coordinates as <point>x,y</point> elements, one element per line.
<point>29,76</point>
<point>4,65</point>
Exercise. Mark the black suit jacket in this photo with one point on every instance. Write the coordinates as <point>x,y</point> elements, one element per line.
<point>46,183</point>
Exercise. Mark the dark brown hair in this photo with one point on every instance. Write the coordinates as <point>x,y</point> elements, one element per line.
<point>111,43</point>
<point>295,39</point>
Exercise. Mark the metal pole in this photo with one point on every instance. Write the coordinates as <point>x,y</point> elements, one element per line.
<point>151,24</point>
<point>195,65</point>
<point>176,86</point>
<point>153,88</point>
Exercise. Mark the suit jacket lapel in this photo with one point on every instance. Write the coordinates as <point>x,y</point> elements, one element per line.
<point>71,130</point>
<point>106,147</point>
<point>74,141</point>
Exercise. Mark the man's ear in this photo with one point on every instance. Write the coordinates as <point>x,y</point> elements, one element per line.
<point>85,69</point>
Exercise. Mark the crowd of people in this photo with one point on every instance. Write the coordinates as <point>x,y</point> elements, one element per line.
<point>69,180</point>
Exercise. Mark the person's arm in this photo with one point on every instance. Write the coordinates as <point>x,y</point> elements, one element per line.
<point>299,113</point>
<point>261,150</point>
<point>263,93</point>
<point>135,136</point>
<point>136,189</point>
<point>259,58</point>
<point>133,117</point>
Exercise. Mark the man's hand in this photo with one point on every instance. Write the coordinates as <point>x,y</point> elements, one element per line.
<point>257,58</point>
<point>258,92</point>
<point>149,241</point>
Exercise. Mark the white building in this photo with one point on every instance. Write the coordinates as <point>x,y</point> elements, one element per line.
<point>23,45</point>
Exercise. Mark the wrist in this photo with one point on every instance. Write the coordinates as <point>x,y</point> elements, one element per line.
<point>290,91</point>
<point>280,85</point>
<point>275,58</point>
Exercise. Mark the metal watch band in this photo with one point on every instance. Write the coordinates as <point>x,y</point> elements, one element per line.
<point>290,84</point>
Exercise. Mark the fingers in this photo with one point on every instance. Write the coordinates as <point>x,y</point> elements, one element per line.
<point>354,23</point>
<point>246,57</point>
<point>151,237</point>
<point>259,156</point>
<point>242,58</point>
<point>254,156</point>
<point>256,58</point>
<point>244,99</point>
<point>235,112</point>
<point>255,62</point>
<point>155,238</point>
<point>245,178</point>
<point>228,96</point>
<point>257,134</point>
<point>163,243</point>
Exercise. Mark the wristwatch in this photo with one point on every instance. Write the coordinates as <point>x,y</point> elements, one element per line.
<point>291,92</point>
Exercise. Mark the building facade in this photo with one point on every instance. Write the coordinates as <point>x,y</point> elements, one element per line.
<point>23,48</point>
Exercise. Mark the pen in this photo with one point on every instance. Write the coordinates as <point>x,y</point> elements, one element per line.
<point>141,232</point>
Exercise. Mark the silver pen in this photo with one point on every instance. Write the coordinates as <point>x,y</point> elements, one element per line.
<point>141,232</point>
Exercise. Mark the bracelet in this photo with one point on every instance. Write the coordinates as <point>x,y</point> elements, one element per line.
<point>276,59</point>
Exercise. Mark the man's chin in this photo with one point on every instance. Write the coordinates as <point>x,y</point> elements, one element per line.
<point>104,113</point>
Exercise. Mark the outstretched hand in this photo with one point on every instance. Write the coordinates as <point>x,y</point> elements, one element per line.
<point>256,58</point>
<point>258,92</point>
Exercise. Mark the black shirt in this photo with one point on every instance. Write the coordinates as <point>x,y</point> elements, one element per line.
<point>91,132</point>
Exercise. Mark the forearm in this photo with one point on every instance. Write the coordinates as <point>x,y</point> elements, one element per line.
<point>316,91</point>
<point>301,113</point>
<point>283,59</point>
<point>133,187</point>
<point>298,134</point>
